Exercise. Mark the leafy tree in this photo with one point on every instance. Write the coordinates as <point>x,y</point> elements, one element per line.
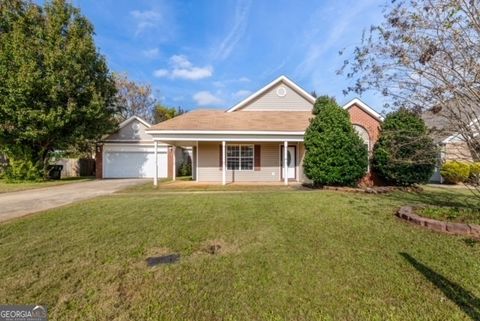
<point>162,113</point>
<point>404,153</point>
<point>55,88</point>
<point>134,99</point>
<point>425,55</point>
<point>335,154</point>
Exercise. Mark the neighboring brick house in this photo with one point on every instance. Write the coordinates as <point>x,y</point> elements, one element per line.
<point>260,139</point>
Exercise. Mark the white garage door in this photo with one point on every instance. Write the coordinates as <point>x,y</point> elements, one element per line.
<point>134,164</point>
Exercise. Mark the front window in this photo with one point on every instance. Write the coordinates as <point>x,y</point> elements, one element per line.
<point>240,157</point>
<point>363,133</point>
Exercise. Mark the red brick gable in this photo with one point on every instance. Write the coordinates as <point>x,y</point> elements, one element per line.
<point>360,117</point>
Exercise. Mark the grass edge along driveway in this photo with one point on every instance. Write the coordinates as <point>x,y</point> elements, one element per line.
<point>22,186</point>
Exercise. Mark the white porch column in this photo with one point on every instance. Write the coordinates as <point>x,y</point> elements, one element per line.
<point>174,174</point>
<point>196,163</point>
<point>155,178</point>
<point>224,170</point>
<point>285,165</point>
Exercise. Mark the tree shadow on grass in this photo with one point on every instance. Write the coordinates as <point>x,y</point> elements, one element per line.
<point>464,299</point>
<point>438,198</point>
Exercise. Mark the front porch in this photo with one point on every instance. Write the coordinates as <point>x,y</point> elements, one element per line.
<point>242,162</point>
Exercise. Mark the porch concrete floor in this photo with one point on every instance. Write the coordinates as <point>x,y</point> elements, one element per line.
<point>180,183</point>
<point>185,185</point>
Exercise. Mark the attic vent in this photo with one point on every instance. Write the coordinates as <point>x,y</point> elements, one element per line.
<point>136,128</point>
<point>281,91</point>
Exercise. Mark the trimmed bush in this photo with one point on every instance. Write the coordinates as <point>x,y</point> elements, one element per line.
<point>185,168</point>
<point>454,172</point>
<point>474,177</point>
<point>335,154</point>
<point>404,153</point>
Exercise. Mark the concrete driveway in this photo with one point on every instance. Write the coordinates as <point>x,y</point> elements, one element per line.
<point>17,204</point>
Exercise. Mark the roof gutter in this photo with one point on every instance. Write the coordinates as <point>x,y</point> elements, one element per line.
<point>224,132</point>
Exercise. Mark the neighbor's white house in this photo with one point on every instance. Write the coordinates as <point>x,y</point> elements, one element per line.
<point>258,140</point>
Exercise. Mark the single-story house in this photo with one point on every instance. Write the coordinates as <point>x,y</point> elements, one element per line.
<point>260,139</point>
<point>452,146</point>
<point>131,152</point>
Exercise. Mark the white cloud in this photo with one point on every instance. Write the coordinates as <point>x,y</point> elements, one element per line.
<point>244,79</point>
<point>160,73</point>
<point>182,68</point>
<point>242,93</point>
<point>204,98</point>
<point>151,53</point>
<point>180,61</point>
<point>194,73</point>
<point>239,28</point>
<point>146,19</point>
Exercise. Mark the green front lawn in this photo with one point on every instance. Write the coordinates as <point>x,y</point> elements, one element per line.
<point>21,186</point>
<point>452,214</point>
<point>278,255</point>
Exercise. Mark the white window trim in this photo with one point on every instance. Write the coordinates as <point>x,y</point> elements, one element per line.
<point>240,158</point>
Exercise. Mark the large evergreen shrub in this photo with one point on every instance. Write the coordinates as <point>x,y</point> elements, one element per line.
<point>404,153</point>
<point>335,154</point>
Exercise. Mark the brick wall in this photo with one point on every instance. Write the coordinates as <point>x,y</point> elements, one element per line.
<point>362,118</point>
<point>99,162</point>
<point>359,117</point>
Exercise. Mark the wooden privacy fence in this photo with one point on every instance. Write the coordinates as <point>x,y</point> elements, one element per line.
<point>73,167</point>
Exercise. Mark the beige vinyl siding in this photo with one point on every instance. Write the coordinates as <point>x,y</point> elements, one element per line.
<point>210,171</point>
<point>458,151</point>
<point>270,101</point>
<point>133,131</point>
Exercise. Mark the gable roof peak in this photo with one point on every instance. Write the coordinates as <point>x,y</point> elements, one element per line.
<point>132,118</point>
<point>369,110</point>
<point>282,78</point>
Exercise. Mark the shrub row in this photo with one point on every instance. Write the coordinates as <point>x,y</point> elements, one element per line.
<point>404,154</point>
<point>454,172</point>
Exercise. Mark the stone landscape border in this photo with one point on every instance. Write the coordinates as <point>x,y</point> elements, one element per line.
<point>408,213</point>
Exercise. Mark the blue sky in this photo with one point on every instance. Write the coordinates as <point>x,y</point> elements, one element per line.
<point>214,53</point>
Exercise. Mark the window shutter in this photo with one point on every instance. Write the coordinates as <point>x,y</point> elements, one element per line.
<point>257,158</point>
<point>220,157</point>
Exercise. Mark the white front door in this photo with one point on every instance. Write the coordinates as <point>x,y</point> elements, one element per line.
<point>291,161</point>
